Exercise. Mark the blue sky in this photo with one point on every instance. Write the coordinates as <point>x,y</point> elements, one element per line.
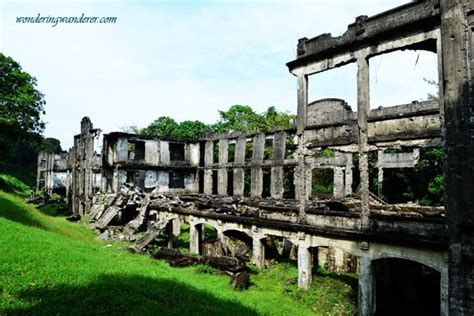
<point>189,59</point>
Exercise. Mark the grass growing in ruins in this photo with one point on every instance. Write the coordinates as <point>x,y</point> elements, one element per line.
<point>51,266</point>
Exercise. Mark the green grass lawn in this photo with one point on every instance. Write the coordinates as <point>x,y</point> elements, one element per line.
<point>49,266</point>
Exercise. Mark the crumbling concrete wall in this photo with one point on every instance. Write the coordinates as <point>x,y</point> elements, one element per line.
<point>83,166</point>
<point>52,173</point>
<point>164,163</point>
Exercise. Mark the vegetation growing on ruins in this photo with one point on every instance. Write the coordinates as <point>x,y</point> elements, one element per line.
<point>51,266</point>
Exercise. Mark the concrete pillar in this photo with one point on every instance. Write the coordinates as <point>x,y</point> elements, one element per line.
<point>239,157</point>
<point>222,172</point>
<point>457,43</point>
<point>304,267</point>
<point>238,182</point>
<point>258,148</point>
<point>208,181</point>
<point>223,152</point>
<point>276,186</point>
<point>302,103</point>
<point>209,153</point>
<point>256,186</point>
<point>278,156</point>
<point>222,181</point>
<point>279,145</point>
<point>444,293</point>
<point>258,254</point>
<point>338,187</point>
<point>194,238</point>
<point>380,173</point>
<point>348,174</point>
<point>366,287</point>
<point>363,108</point>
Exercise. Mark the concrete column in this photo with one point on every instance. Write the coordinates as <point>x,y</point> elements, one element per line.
<point>279,145</point>
<point>457,43</point>
<point>239,157</point>
<point>238,182</point>
<point>348,174</point>
<point>209,153</point>
<point>194,238</point>
<point>222,181</point>
<point>256,186</point>
<point>338,187</point>
<point>276,186</point>
<point>363,108</point>
<point>304,267</point>
<point>366,287</point>
<point>302,103</point>
<point>380,172</point>
<point>208,181</point>
<point>258,148</point>
<point>222,172</point>
<point>258,255</point>
<point>223,152</point>
<point>444,293</point>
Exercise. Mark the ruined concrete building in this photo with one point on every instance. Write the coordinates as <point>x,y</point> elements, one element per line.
<point>432,254</point>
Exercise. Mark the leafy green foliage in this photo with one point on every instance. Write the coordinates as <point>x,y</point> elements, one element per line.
<point>238,118</point>
<point>168,127</point>
<point>52,145</point>
<point>432,96</point>
<point>21,107</point>
<point>323,180</point>
<point>162,126</point>
<point>20,103</point>
<point>423,184</point>
<point>242,118</point>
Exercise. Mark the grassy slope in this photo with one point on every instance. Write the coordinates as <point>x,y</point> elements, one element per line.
<point>51,266</point>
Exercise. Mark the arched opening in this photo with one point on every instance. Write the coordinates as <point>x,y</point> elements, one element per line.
<point>209,244</point>
<point>405,287</point>
<point>237,243</point>
<point>280,249</point>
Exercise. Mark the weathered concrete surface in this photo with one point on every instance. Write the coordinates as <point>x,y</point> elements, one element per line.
<point>457,24</point>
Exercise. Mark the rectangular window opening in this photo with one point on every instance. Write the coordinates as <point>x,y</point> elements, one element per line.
<point>136,150</point>
<point>176,180</point>
<point>176,152</point>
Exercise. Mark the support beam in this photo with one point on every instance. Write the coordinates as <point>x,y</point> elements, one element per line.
<point>366,287</point>
<point>238,182</point>
<point>363,107</point>
<point>348,175</point>
<point>208,181</point>
<point>194,238</point>
<point>256,186</point>
<point>304,267</point>
<point>258,255</point>
<point>338,188</point>
<point>302,103</point>
<point>457,42</point>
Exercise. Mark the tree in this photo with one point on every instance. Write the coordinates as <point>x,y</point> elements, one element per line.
<point>190,129</point>
<point>432,96</point>
<point>21,107</point>
<point>21,104</point>
<point>242,118</point>
<point>162,126</point>
<point>51,145</point>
